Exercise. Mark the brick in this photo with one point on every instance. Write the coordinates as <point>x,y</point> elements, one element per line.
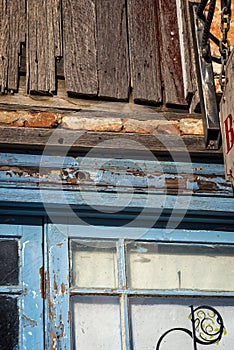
<point>8,117</point>
<point>41,120</point>
<point>92,124</point>
<point>169,128</point>
<point>191,126</point>
<point>28,119</point>
<point>152,126</point>
<point>139,126</point>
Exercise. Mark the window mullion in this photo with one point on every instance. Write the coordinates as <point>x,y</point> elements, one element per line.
<point>121,265</point>
<point>124,316</point>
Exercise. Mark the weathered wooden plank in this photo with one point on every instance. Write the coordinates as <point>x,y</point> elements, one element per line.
<point>170,53</point>
<point>144,176</point>
<point>22,21</point>
<point>31,41</point>
<point>115,176</point>
<point>112,49</point>
<point>38,138</point>
<point>4,38</point>
<point>53,11</point>
<point>79,28</point>
<point>15,26</point>
<point>44,42</point>
<point>144,50</point>
<point>186,49</point>
<point>56,18</point>
<point>12,29</point>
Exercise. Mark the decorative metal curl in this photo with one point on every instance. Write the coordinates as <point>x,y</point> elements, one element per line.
<point>208,325</point>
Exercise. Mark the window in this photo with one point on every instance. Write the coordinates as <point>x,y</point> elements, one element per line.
<point>21,304</point>
<point>146,294</point>
<point>80,288</point>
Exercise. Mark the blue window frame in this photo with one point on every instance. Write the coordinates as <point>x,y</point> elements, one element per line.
<point>21,301</point>
<point>109,309</point>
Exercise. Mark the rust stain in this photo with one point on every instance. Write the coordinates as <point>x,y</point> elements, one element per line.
<point>69,317</point>
<point>62,328</point>
<point>55,285</point>
<point>31,322</point>
<point>18,170</point>
<point>51,316</point>
<point>42,282</point>
<point>51,311</point>
<point>63,289</point>
<point>53,339</point>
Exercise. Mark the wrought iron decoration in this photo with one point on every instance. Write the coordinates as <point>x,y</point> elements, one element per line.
<point>207,327</point>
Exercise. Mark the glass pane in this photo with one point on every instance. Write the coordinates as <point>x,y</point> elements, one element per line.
<point>170,320</point>
<point>9,270</point>
<point>96,323</point>
<point>94,264</point>
<point>174,266</point>
<point>9,323</point>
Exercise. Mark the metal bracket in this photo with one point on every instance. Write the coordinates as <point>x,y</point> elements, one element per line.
<point>209,105</point>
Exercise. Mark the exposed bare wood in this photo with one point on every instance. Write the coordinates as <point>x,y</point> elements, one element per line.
<point>144,50</point>
<point>184,36</point>
<point>13,13</point>
<point>31,54</point>
<point>4,39</point>
<point>43,44</point>
<point>170,54</point>
<point>12,23</point>
<point>56,17</point>
<point>79,25</point>
<point>112,49</point>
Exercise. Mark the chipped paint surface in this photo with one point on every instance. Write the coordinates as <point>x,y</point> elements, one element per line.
<point>31,313</point>
<point>58,291</point>
<point>104,174</point>
<point>28,322</point>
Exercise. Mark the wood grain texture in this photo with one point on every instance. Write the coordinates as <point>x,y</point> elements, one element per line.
<point>29,138</point>
<point>187,53</point>
<point>144,50</point>
<point>112,49</point>
<point>44,44</point>
<point>4,38</point>
<point>79,25</point>
<point>12,30</point>
<point>172,75</point>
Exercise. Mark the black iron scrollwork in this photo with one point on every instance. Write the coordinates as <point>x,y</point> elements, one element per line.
<point>207,327</point>
<point>207,324</point>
